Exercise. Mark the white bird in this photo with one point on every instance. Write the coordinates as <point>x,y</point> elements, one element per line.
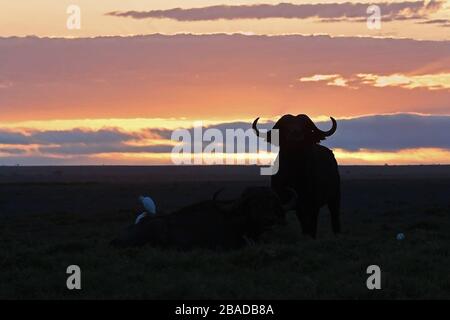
<point>140,217</point>
<point>400,236</point>
<point>148,204</point>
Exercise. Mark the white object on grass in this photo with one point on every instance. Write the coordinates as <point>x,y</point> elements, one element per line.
<point>148,204</point>
<point>140,217</point>
<point>400,236</point>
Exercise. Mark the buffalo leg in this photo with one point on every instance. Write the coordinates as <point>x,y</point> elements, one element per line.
<point>302,220</point>
<point>308,220</point>
<point>314,217</point>
<point>302,215</point>
<point>334,207</point>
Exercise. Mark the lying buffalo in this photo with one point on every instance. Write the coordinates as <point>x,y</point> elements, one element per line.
<point>213,224</point>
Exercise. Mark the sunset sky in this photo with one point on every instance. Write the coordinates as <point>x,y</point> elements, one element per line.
<point>112,91</point>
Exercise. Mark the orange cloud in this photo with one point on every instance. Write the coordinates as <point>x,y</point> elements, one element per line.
<point>402,157</point>
<point>439,81</point>
<point>213,77</point>
<point>330,79</point>
<point>351,11</point>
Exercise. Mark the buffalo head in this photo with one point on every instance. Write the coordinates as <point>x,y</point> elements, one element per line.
<point>297,130</point>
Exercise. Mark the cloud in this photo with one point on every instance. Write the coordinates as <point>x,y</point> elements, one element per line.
<point>356,138</point>
<point>12,151</point>
<point>439,22</point>
<point>319,77</point>
<point>429,81</point>
<point>327,11</point>
<point>41,161</point>
<point>157,133</point>
<point>220,76</point>
<point>440,81</point>
<point>24,137</point>
<point>420,156</point>
<point>330,79</point>
<point>12,137</point>
<point>95,149</point>
<point>82,141</point>
<point>392,132</point>
<point>81,136</point>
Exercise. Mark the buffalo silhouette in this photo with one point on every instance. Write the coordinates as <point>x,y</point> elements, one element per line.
<point>211,224</point>
<point>307,167</point>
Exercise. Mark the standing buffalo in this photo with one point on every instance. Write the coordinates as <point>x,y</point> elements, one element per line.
<point>308,168</point>
<point>213,224</point>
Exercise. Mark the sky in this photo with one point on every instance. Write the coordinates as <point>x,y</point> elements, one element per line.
<point>113,90</point>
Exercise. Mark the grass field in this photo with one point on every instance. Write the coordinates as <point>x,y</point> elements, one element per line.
<point>39,241</point>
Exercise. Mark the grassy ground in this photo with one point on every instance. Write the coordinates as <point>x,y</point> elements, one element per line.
<point>37,248</point>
